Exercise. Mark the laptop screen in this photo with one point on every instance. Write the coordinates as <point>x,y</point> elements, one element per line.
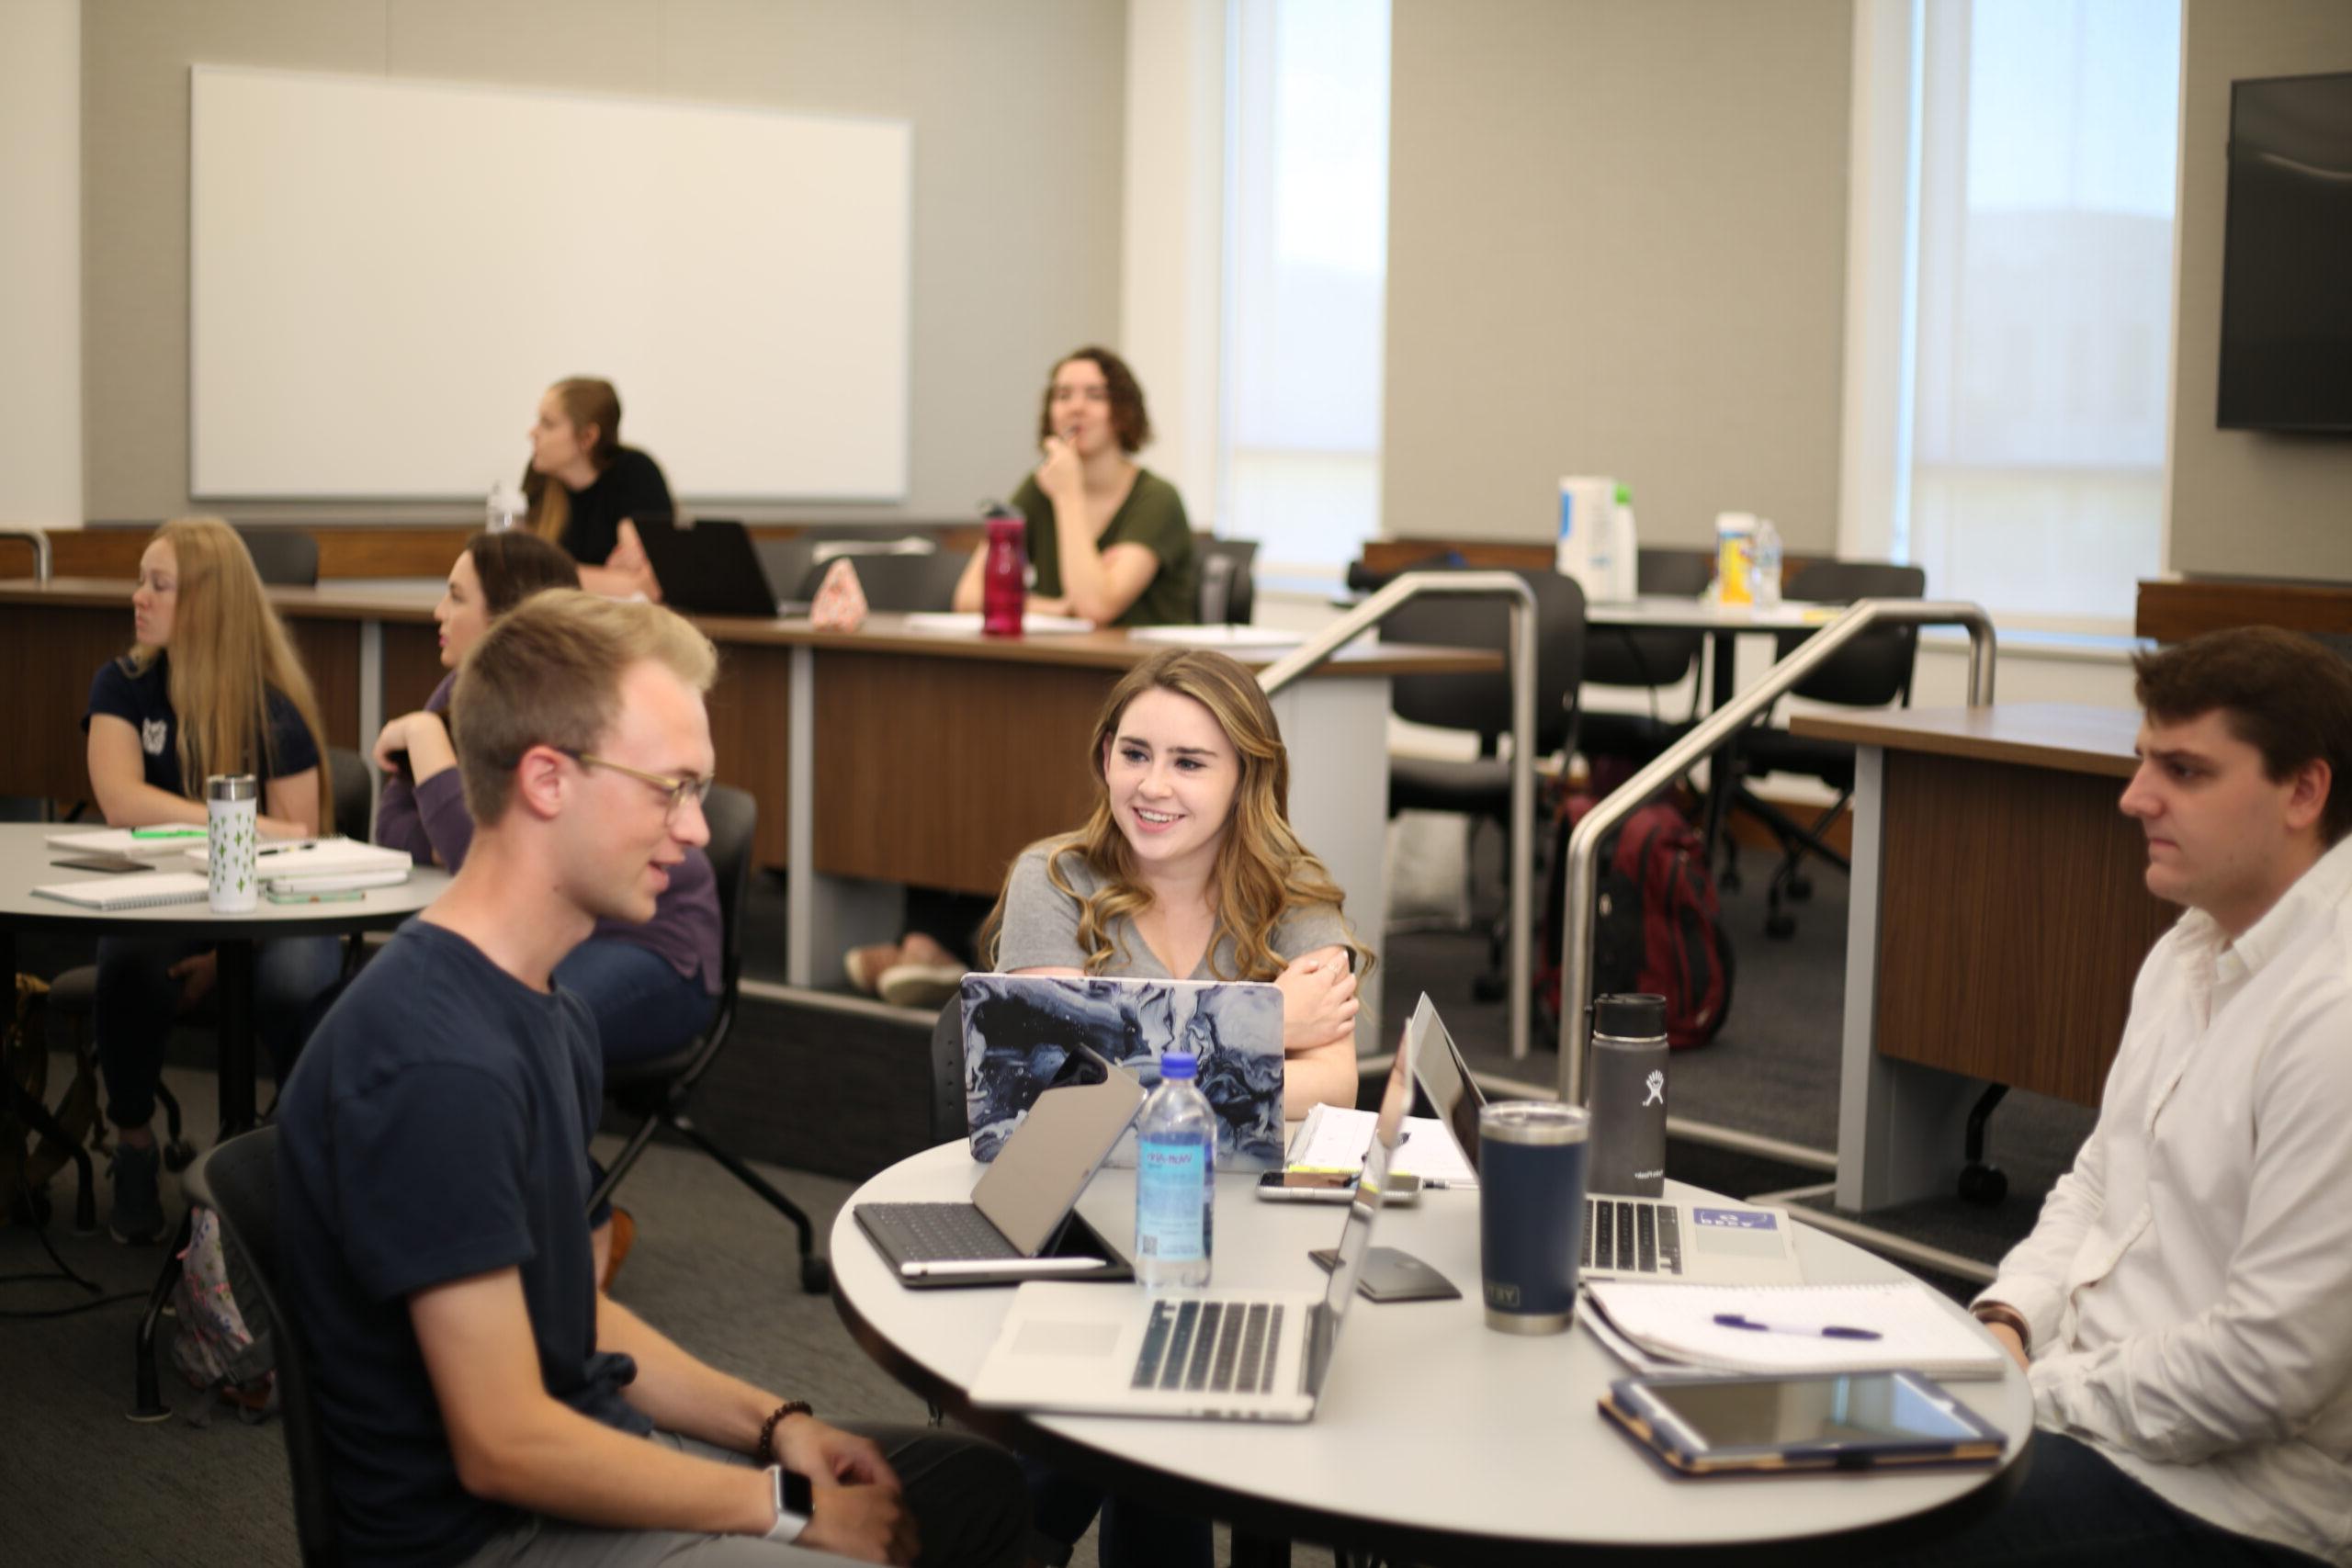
<point>1388,1136</point>
<point>1453,1095</point>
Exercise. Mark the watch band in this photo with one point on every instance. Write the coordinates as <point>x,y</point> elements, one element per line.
<point>2007,1317</point>
<point>795,1502</point>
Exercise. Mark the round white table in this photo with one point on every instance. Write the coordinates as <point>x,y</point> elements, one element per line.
<point>26,860</point>
<point>1436,1439</point>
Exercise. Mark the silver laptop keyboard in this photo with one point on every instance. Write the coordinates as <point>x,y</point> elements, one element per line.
<point>1211,1346</point>
<point>935,1233</point>
<point>1632,1235</point>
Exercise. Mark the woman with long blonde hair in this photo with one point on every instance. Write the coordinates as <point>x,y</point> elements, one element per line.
<point>1187,868</point>
<point>210,685</point>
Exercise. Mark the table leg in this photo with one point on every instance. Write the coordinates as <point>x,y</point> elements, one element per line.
<point>1900,1125</point>
<point>1255,1552</point>
<point>235,984</point>
<point>1722,665</point>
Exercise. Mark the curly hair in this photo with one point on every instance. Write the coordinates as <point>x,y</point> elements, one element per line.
<point>1129,420</point>
<point>1262,871</point>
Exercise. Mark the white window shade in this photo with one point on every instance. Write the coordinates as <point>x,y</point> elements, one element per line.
<point>2047,149</point>
<point>1307,276</point>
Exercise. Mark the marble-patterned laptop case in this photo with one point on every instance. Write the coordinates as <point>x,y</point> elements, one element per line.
<point>1020,1031</point>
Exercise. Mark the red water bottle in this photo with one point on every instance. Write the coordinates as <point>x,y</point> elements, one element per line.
<point>1004,586</point>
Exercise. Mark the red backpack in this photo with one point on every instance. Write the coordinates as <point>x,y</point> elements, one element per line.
<point>1656,926</point>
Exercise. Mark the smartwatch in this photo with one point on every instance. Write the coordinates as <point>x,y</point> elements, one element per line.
<point>795,1502</point>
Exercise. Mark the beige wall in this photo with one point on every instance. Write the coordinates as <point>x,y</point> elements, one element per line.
<point>2244,504</point>
<point>1017,108</point>
<point>1617,244</point>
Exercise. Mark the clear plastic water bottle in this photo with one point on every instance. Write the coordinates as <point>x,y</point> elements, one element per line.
<point>1768,565</point>
<point>1175,1180</point>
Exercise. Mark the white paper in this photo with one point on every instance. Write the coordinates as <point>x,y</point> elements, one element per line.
<point>1334,1137</point>
<point>957,621</point>
<point>1219,635</point>
<point>1915,1331</point>
<point>133,892</point>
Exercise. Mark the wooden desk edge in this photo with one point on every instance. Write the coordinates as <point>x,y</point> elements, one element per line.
<point>1954,733</point>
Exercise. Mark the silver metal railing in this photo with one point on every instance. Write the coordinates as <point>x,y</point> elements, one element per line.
<point>1583,877</point>
<point>1503,585</point>
<point>40,542</point>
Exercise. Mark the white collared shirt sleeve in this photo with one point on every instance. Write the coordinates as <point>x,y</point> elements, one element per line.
<point>2033,1279</point>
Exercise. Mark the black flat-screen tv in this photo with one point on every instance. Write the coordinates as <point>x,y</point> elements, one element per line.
<point>2287,256</point>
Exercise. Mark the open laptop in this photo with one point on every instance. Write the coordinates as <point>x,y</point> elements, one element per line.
<point>1020,1031</point>
<point>1022,1223</point>
<point>1224,1355</point>
<point>1719,1243</point>
<point>709,567</point>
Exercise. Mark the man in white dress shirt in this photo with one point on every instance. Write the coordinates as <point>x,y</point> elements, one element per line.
<point>2183,1304</point>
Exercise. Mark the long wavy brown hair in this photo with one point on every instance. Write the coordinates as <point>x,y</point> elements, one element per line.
<point>228,650</point>
<point>585,400</point>
<point>1262,871</point>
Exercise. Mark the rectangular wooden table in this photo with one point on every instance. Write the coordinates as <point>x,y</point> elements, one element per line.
<point>889,757</point>
<point>1999,917</point>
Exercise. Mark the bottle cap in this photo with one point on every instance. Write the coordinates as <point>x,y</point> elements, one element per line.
<point>1638,1016</point>
<point>1625,495</point>
<point>1182,1064</point>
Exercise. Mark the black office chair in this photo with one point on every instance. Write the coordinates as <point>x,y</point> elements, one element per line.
<point>1229,591</point>
<point>237,1181</point>
<point>1645,658</point>
<point>658,1090</point>
<point>1481,789</point>
<point>897,582</point>
<point>1874,671</point>
<point>949,1117</point>
<point>285,558</point>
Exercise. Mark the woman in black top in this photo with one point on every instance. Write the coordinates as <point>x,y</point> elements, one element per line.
<point>588,492</point>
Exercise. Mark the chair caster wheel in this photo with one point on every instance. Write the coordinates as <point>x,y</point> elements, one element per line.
<point>1981,1183</point>
<point>1799,888</point>
<point>1780,927</point>
<point>178,1155</point>
<point>816,1276</point>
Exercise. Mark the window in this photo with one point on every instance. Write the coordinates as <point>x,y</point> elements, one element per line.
<point>1306,267</point>
<point>2028,473</point>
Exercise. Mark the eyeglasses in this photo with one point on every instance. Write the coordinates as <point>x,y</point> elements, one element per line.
<point>677,791</point>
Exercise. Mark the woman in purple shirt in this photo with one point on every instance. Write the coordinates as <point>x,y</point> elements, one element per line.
<point>652,987</point>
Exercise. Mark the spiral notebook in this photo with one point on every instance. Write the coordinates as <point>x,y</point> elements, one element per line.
<point>1786,1325</point>
<point>131,893</point>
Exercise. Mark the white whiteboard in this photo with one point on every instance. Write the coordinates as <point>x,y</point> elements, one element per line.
<point>384,276</point>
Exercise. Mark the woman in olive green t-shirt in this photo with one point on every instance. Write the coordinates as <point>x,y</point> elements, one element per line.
<point>1132,564</point>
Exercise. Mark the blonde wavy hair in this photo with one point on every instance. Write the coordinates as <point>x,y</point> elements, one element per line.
<point>228,651</point>
<point>1262,871</point>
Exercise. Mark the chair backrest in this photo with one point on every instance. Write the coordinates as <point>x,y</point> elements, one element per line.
<point>1482,702</point>
<point>948,1118</point>
<point>354,793</point>
<point>1624,656</point>
<point>286,557</point>
<point>1229,581</point>
<point>734,818</point>
<point>1874,669</point>
<point>898,582</point>
<point>238,1180</point>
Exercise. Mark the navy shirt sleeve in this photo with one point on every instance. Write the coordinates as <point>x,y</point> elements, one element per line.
<point>111,693</point>
<point>431,1172</point>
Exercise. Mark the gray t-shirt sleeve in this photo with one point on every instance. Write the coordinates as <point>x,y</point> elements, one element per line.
<point>1303,929</point>
<point>1040,920</point>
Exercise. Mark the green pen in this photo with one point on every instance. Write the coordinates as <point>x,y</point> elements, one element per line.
<point>170,832</point>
